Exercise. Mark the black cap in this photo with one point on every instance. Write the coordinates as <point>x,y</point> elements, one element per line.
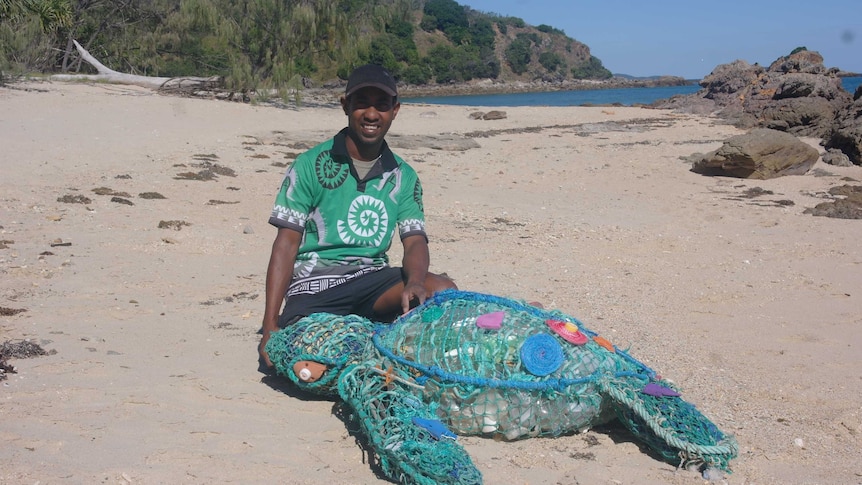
<point>371,75</point>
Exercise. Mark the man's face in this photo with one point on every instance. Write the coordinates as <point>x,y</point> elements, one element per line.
<point>370,112</point>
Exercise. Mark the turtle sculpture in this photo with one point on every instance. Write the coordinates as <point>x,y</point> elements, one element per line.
<point>467,363</point>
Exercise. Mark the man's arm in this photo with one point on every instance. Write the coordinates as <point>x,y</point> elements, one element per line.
<point>415,264</point>
<point>278,276</point>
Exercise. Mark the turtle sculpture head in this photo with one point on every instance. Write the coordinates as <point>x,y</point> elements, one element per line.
<point>472,364</point>
<point>324,345</point>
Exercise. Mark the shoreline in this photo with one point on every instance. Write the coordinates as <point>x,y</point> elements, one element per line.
<point>488,86</point>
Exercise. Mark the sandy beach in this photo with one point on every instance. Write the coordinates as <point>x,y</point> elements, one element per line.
<point>135,237</point>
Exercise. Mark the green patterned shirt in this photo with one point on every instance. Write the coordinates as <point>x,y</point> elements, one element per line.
<point>347,224</point>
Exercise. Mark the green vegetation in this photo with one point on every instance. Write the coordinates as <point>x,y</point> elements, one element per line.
<point>591,69</point>
<point>519,55</point>
<point>277,45</point>
<point>549,30</point>
<point>550,61</point>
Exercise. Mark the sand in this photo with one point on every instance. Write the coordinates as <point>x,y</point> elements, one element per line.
<point>751,306</point>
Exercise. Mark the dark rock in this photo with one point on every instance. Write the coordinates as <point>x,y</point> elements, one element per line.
<point>495,115</point>
<point>120,200</point>
<point>849,207</point>
<point>490,115</point>
<point>847,135</point>
<point>800,116</point>
<point>761,154</point>
<point>731,78</point>
<point>151,195</point>
<point>802,61</point>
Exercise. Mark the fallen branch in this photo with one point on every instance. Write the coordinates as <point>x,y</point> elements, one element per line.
<point>175,84</point>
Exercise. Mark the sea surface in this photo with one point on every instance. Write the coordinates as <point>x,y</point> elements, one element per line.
<point>623,96</point>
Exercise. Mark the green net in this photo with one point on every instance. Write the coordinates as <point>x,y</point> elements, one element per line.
<point>473,364</point>
<point>412,445</point>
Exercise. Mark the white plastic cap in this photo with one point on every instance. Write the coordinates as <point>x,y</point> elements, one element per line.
<point>305,374</point>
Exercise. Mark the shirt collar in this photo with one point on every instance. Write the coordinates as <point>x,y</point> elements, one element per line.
<point>339,150</point>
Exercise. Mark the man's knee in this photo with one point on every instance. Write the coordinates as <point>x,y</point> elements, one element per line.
<point>435,283</point>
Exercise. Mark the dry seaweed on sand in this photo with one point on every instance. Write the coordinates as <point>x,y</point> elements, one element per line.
<point>21,349</point>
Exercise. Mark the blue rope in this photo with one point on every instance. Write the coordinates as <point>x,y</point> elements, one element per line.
<point>541,354</point>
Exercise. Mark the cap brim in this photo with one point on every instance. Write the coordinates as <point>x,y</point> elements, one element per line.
<point>386,89</point>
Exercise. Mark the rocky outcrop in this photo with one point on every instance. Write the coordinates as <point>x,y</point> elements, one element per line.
<point>761,154</point>
<point>796,94</point>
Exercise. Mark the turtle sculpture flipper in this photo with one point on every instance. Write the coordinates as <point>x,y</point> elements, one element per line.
<point>413,446</point>
<point>489,366</point>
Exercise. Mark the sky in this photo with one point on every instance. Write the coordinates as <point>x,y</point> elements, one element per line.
<point>690,38</point>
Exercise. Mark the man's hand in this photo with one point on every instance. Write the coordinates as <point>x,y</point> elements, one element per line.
<point>261,349</point>
<point>415,265</point>
<point>412,291</point>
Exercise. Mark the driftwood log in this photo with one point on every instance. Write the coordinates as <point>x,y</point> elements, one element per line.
<point>178,85</point>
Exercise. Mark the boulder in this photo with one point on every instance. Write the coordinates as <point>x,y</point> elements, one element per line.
<point>761,154</point>
<point>836,157</point>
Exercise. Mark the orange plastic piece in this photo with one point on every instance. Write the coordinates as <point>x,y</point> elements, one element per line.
<point>388,376</point>
<point>308,370</point>
<point>604,343</point>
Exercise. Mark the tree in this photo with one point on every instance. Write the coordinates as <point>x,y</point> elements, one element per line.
<point>482,34</point>
<point>29,45</point>
<point>268,40</point>
<point>591,69</point>
<point>518,54</point>
<point>416,74</point>
<point>449,14</point>
<point>51,13</point>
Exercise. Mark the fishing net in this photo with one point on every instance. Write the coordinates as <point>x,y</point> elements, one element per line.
<point>492,367</point>
<point>473,364</point>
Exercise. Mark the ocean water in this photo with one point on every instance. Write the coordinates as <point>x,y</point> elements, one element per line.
<point>623,96</point>
<point>851,83</point>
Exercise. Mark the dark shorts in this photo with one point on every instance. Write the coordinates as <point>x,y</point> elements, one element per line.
<point>355,297</point>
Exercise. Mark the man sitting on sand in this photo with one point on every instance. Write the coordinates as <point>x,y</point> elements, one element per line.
<point>339,206</point>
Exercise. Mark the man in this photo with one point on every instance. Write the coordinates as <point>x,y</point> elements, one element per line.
<point>339,207</point>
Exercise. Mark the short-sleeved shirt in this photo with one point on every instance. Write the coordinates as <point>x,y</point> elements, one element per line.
<point>347,224</point>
